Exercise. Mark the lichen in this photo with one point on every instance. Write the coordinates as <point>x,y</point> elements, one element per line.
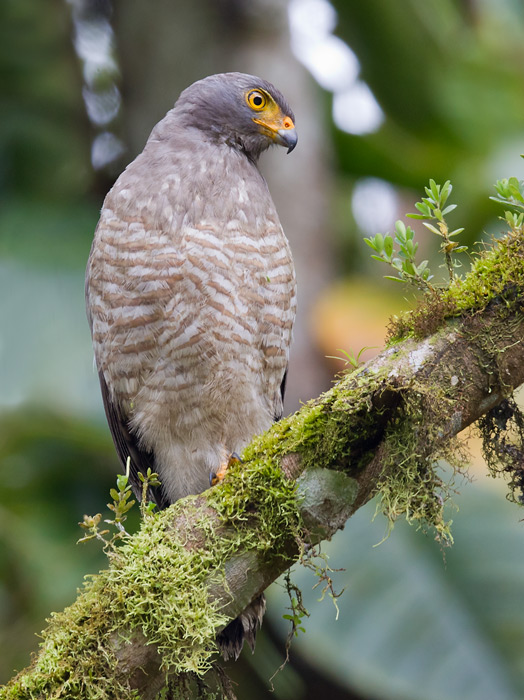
<point>502,431</point>
<point>411,484</point>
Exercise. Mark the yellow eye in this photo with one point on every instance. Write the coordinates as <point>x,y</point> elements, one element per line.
<point>256,100</point>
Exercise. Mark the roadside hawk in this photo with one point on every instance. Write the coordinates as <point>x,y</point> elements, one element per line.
<point>190,292</point>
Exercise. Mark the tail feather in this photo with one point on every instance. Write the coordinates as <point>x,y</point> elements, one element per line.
<point>243,629</point>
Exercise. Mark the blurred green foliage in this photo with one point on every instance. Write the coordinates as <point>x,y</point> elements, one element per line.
<point>54,469</point>
<point>44,140</point>
<point>55,464</point>
<point>449,76</point>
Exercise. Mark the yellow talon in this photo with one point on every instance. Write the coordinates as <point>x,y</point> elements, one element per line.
<point>216,477</point>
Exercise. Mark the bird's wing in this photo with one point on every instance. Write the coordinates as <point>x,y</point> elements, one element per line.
<point>280,412</point>
<point>127,447</point>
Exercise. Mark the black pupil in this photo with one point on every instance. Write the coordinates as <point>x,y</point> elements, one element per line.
<point>257,100</point>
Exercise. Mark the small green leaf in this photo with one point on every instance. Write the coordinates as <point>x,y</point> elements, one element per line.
<point>408,267</point>
<point>86,538</point>
<point>502,187</point>
<point>125,507</point>
<point>400,229</point>
<point>410,247</point>
<point>396,263</point>
<point>121,481</point>
<point>394,279</point>
<point>434,190</point>
<point>424,209</point>
<point>432,228</point>
<point>447,187</point>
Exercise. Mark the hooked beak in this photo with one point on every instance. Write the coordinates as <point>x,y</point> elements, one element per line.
<point>287,137</point>
<point>281,130</point>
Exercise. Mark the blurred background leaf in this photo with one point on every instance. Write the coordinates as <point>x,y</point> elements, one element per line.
<point>415,621</point>
<point>386,95</point>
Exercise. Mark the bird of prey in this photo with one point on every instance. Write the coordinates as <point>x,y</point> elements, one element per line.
<point>190,291</point>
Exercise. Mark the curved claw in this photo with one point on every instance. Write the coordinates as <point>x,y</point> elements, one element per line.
<point>216,477</point>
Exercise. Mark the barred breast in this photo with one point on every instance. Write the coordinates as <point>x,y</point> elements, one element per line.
<point>191,302</point>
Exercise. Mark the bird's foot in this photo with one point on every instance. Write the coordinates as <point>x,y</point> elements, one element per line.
<point>216,477</point>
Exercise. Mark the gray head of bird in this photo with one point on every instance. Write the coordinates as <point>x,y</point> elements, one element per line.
<point>241,110</point>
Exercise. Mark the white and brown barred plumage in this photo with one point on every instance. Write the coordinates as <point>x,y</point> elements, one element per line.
<point>191,291</point>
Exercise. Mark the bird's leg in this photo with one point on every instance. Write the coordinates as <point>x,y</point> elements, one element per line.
<point>216,477</point>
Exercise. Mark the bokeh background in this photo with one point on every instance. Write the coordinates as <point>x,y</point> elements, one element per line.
<point>386,95</point>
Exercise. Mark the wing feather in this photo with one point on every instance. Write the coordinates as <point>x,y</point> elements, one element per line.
<point>126,444</point>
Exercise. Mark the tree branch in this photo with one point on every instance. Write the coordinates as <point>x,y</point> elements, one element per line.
<point>171,587</point>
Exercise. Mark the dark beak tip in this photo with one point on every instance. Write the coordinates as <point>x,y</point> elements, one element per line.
<point>287,137</point>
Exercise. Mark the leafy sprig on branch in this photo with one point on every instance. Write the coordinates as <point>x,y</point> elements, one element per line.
<point>399,250</point>
<point>433,207</point>
<point>510,192</point>
<point>401,260</point>
<point>120,506</point>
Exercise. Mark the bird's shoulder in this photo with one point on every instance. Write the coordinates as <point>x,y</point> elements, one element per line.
<point>186,161</point>
<point>185,181</point>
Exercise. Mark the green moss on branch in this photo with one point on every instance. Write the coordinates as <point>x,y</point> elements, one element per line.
<point>496,274</point>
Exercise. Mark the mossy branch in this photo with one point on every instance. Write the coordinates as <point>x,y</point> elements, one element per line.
<point>154,613</point>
